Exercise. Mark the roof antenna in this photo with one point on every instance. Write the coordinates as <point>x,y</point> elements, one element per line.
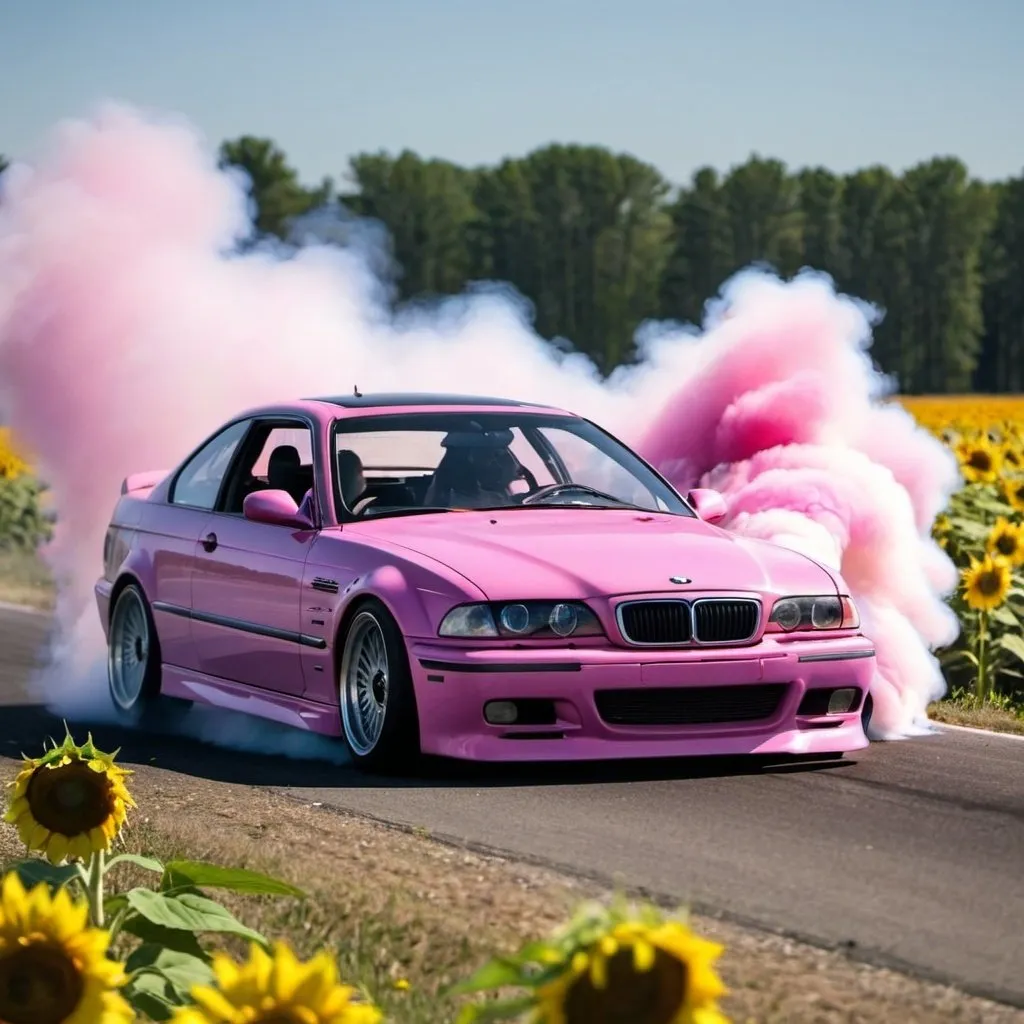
<point>356,393</point>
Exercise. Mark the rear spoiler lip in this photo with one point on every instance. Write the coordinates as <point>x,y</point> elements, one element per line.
<point>142,481</point>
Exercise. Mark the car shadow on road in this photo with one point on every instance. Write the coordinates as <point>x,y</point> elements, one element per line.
<point>26,728</point>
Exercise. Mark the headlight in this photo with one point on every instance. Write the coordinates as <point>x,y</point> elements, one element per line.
<point>793,613</point>
<point>534,620</point>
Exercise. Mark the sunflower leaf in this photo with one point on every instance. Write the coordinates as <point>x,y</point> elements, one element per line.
<point>1013,644</point>
<point>153,996</point>
<point>181,970</point>
<point>35,870</point>
<point>155,934</point>
<point>1004,616</point>
<point>185,874</point>
<point>147,863</point>
<point>497,973</point>
<point>498,1009</point>
<point>189,912</point>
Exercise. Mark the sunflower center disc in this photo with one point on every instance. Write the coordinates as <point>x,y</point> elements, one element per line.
<point>630,996</point>
<point>989,583</point>
<point>1007,545</point>
<point>38,985</point>
<point>71,799</point>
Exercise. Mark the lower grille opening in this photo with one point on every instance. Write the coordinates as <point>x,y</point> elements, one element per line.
<point>524,711</point>
<point>831,701</point>
<point>690,705</point>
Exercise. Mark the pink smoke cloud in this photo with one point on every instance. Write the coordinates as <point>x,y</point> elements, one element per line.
<point>129,329</point>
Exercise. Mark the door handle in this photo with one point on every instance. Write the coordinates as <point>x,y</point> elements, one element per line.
<point>209,542</point>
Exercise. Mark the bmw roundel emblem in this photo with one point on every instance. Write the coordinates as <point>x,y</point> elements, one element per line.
<point>679,579</point>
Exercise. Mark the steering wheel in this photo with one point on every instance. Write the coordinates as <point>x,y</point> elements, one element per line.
<point>552,489</point>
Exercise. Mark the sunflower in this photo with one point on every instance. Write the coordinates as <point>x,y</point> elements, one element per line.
<point>53,968</point>
<point>276,989</point>
<point>1013,459</point>
<point>1013,488</point>
<point>1006,540</point>
<point>979,461</point>
<point>69,803</point>
<point>986,582</point>
<point>641,972</point>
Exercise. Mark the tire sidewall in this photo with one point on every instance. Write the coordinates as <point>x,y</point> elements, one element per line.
<point>151,707</point>
<point>398,745</point>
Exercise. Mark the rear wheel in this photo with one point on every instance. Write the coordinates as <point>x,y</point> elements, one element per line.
<point>133,663</point>
<point>376,696</point>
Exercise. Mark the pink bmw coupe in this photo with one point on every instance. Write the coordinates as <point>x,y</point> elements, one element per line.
<point>473,578</point>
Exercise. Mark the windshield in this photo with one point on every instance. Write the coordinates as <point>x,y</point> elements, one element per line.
<point>439,461</point>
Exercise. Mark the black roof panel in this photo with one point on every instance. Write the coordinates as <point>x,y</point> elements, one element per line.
<point>381,400</point>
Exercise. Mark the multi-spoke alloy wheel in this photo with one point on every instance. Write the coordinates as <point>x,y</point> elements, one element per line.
<point>365,682</point>
<point>376,694</point>
<point>128,659</point>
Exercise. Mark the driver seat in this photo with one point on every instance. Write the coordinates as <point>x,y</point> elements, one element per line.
<point>284,472</point>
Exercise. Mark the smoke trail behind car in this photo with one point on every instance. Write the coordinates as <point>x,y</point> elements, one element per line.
<point>132,323</point>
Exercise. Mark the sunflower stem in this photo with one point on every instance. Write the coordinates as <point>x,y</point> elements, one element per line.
<point>981,690</point>
<point>95,888</point>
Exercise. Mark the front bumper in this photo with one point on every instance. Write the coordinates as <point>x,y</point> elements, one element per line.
<point>453,684</point>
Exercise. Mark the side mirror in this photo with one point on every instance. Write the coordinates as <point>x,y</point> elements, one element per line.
<point>709,505</point>
<point>277,508</point>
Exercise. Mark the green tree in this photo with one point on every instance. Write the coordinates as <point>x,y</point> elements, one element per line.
<point>274,186</point>
<point>427,206</point>
<point>1001,366</point>
<point>762,200</point>
<point>584,234</point>
<point>950,218</point>
<point>821,212</point>
<point>702,254</point>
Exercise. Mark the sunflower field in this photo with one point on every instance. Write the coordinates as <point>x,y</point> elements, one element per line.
<point>982,530</point>
<point>24,519</point>
<point>75,950</point>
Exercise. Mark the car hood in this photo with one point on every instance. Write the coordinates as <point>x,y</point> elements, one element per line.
<point>564,553</point>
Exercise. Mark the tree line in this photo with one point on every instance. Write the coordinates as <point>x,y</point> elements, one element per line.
<point>601,241</point>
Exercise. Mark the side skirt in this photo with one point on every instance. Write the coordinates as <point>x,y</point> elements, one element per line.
<point>276,707</point>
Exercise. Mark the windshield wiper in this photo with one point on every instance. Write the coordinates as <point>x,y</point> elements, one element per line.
<point>412,510</point>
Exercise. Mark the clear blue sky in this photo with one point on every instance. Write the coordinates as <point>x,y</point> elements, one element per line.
<point>680,83</point>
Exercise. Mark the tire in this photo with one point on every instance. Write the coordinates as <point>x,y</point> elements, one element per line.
<point>376,698</point>
<point>865,713</point>
<point>134,664</point>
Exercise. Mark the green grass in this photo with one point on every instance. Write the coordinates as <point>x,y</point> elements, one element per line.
<point>999,715</point>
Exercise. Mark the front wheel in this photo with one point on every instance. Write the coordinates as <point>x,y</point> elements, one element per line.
<point>133,663</point>
<point>376,696</point>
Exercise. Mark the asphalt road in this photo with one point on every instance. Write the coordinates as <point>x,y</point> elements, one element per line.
<point>910,855</point>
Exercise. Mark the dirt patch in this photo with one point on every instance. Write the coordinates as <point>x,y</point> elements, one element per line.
<point>25,580</point>
<point>400,905</point>
<point>993,719</point>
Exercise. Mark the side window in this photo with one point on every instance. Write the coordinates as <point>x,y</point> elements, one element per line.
<point>298,437</point>
<point>278,456</point>
<point>199,482</point>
